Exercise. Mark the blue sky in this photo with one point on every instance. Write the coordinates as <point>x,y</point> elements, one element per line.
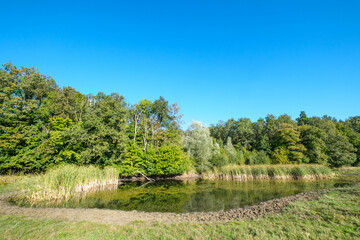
<point>216,59</point>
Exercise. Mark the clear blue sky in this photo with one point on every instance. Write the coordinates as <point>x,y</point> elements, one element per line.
<point>217,59</point>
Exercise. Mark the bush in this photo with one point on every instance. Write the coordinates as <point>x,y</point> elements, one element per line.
<point>259,158</point>
<point>170,160</point>
<point>219,159</point>
<point>133,161</point>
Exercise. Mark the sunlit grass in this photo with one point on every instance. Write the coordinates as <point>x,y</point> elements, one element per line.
<point>7,179</point>
<point>246,172</point>
<point>64,182</point>
<point>354,170</point>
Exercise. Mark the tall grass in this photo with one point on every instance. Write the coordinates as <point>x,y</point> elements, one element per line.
<point>248,172</point>
<point>7,179</point>
<point>69,180</point>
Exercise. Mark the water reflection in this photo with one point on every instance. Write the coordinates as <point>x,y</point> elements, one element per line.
<point>194,196</point>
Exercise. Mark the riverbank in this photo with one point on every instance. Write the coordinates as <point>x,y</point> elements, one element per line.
<point>69,181</point>
<point>273,172</point>
<point>253,172</point>
<point>328,214</point>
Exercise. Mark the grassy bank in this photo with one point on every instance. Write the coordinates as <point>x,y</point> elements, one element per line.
<point>348,170</point>
<point>249,172</point>
<point>336,215</point>
<point>67,181</point>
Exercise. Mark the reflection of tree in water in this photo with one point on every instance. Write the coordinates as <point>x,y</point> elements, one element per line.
<point>199,195</point>
<point>230,194</point>
<point>162,196</point>
<point>206,201</point>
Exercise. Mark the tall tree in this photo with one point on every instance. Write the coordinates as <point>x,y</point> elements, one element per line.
<point>313,138</point>
<point>22,122</point>
<point>104,135</point>
<point>262,141</point>
<point>349,130</point>
<point>302,119</point>
<point>199,145</point>
<point>340,151</point>
<point>288,137</point>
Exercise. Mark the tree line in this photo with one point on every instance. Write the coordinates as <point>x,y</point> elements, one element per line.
<point>43,125</point>
<point>281,140</point>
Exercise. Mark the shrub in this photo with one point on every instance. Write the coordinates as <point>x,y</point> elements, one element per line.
<point>259,158</point>
<point>170,160</point>
<point>219,159</point>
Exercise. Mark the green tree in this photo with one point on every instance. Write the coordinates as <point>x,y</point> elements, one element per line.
<point>303,119</point>
<point>262,141</point>
<point>240,131</point>
<point>231,152</point>
<point>280,156</point>
<point>58,147</point>
<point>313,138</point>
<point>199,145</point>
<point>340,151</point>
<point>351,129</point>
<point>22,124</point>
<point>259,158</point>
<point>219,158</point>
<point>288,137</point>
<point>170,159</point>
<point>104,135</point>
<point>134,159</point>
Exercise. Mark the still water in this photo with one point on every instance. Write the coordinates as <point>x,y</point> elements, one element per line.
<point>194,196</point>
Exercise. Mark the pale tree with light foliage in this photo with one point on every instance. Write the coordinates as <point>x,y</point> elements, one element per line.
<point>231,151</point>
<point>199,145</point>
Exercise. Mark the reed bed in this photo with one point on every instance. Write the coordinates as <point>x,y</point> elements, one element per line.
<point>68,181</point>
<point>7,179</point>
<point>250,172</point>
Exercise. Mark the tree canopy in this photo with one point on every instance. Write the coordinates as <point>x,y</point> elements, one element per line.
<point>43,125</point>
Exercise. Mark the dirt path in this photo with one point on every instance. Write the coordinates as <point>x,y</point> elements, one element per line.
<point>124,217</point>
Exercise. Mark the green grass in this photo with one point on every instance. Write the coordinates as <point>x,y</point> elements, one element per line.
<point>350,170</point>
<point>336,215</point>
<point>12,183</point>
<point>7,179</point>
<point>270,171</point>
<point>69,177</point>
<point>67,181</point>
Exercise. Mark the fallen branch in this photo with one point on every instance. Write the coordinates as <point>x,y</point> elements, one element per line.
<point>149,179</point>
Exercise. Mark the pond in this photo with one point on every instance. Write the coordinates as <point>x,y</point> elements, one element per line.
<point>194,196</point>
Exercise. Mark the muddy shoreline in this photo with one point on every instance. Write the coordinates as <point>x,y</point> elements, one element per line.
<point>123,217</point>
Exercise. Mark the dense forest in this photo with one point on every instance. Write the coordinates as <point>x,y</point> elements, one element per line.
<point>43,125</point>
